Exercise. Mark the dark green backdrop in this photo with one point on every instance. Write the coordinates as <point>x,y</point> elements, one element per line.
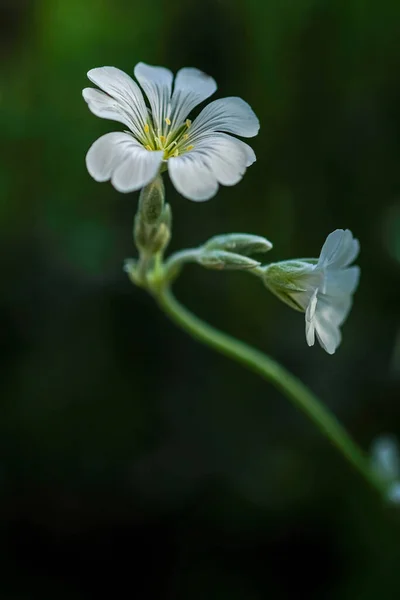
<point>134,462</point>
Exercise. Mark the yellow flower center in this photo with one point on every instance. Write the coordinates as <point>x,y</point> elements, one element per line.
<point>173,143</point>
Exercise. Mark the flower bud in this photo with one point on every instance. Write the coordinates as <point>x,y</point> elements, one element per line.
<point>243,243</point>
<point>166,216</point>
<point>160,239</point>
<point>152,228</point>
<point>140,232</point>
<point>219,259</point>
<point>151,201</point>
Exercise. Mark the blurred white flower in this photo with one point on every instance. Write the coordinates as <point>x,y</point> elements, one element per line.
<point>393,494</point>
<point>200,155</point>
<point>385,457</point>
<point>385,463</point>
<point>322,288</point>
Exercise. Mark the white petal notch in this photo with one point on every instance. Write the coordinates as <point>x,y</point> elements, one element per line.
<point>322,288</point>
<point>200,156</point>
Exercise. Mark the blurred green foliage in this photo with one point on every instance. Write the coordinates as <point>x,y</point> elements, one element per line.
<point>130,456</point>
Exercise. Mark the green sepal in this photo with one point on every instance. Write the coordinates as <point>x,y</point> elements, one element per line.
<point>219,259</point>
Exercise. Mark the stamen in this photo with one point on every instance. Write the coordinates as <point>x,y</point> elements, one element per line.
<point>185,136</point>
<point>188,123</point>
<point>148,147</point>
<point>162,139</point>
<point>168,121</point>
<point>188,148</point>
<point>146,128</point>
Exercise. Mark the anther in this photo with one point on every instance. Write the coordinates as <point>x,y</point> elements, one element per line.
<point>168,121</point>
<point>188,148</point>
<point>146,128</point>
<point>188,123</point>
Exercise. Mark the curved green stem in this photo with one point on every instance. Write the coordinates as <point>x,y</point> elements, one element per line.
<point>273,372</point>
<point>182,257</point>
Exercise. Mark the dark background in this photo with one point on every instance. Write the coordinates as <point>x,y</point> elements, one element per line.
<point>133,461</point>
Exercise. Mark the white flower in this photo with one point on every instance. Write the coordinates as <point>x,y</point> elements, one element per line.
<point>321,288</point>
<point>385,457</point>
<point>200,155</point>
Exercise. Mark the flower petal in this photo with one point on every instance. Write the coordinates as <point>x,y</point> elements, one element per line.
<point>217,157</point>
<point>138,169</point>
<point>119,85</point>
<point>309,319</point>
<point>341,281</point>
<point>118,156</point>
<point>312,305</point>
<point>192,177</point>
<point>157,83</point>
<point>331,245</point>
<point>126,94</point>
<point>250,154</point>
<point>191,87</point>
<point>225,158</point>
<point>105,154</point>
<point>310,332</point>
<point>105,107</point>
<point>232,115</point>
<point>334,309</point>
<point>340,249</point>
<point>328,333</point>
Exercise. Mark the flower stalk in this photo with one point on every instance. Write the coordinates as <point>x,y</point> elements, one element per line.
<point>278,376</point>
<point>199,157</point>
<point>157,275</point>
